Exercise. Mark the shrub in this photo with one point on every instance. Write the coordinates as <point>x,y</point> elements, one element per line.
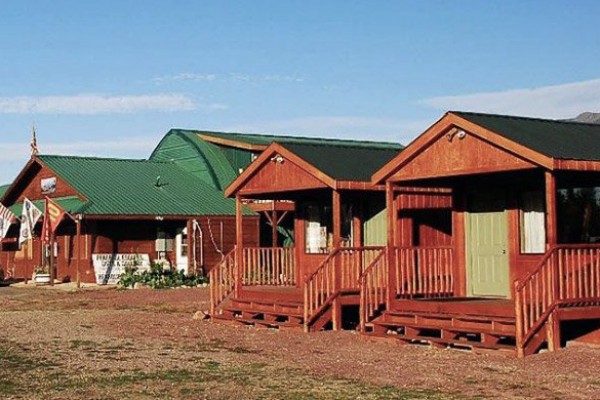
<point>159,278</point>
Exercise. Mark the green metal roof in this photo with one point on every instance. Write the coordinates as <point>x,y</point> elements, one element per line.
<point>553,138</point>
<point>138,187</point>
<point>3,190</point>
<point>71,204</point>
<point>343,162</point>
<point>202,159</point>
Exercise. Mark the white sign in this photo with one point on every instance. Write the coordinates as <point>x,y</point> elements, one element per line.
<point>109,267</point>
<point>48,185</point>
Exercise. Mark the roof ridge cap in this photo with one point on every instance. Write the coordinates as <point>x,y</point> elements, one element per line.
<point>285,136</point>
<point>562,121</point>
<point>136,160</point>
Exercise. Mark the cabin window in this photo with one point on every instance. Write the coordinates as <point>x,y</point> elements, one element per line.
<point>318,228</point>
<point>183,249</point>
<point>347,228</point>
<point>532,223</point>
<point>579,215</point>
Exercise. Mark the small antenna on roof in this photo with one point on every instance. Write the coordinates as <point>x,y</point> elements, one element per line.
<point>34,147</point>
<point>158,184</point>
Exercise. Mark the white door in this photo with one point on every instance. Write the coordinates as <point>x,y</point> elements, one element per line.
<point>181,250</point>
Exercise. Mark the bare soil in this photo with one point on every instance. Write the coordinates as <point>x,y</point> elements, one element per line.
<point>144,344</point>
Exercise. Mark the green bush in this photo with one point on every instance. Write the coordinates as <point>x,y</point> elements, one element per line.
<point>158,278</point>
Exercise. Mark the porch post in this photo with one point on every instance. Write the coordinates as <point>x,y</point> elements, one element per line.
<point>239,235</point>
<point>357,227</point>
<point>78,233</point>
<point>551,234</point>
<point>553,323</point>
<point>392,223</point>
<point>274,227</point>
<point>191,252</point>
<point>336,211</point>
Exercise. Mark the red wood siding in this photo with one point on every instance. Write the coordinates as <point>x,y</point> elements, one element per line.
<point>277,177</point>
<point>423,198</point>
<point>459,157</point>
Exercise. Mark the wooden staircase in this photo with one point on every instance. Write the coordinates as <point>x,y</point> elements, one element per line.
<point>565,286</point>
<point>257,296</point>
<point>336,282</point>
<point>424,325</point>
<point>265,312</point>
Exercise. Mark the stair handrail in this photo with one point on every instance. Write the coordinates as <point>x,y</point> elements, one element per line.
<point>315,300</point>
<point>338,272</point>
<point>373,288</point>
<point>539,293</point>
<point>222,280</point>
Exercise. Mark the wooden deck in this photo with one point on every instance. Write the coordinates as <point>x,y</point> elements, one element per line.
<point>272,293</point>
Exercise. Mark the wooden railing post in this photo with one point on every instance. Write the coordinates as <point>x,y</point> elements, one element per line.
<point>518,321</point>
<point>238,266</point>
<point>222,280</point>
<point>336,211</point>
<point>392,260</point>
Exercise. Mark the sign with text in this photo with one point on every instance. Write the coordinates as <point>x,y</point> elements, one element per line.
<point>109,267</point>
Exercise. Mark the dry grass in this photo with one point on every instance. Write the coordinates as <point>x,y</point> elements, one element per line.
<point>144,344</point>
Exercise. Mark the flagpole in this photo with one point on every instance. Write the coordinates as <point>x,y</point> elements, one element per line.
<point>78,223</point>
<point>52,272</point>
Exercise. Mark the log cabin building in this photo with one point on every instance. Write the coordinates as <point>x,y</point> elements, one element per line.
<point>502,250</point>
<point>338,224</point>
<point>151,209</point>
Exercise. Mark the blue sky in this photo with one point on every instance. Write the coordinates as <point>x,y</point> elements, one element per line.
<point>111,77</point>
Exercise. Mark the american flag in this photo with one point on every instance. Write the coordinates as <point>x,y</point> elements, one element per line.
<point>6,220</point>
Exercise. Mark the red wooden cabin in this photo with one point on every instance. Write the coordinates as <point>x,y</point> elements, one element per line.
<point>494,228</point>
<point>131,207</point>
<point>337,217</point>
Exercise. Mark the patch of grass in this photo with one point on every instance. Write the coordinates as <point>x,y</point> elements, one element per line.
<point>242,350</point>
<point>83,344</point>
<point>470,381</point>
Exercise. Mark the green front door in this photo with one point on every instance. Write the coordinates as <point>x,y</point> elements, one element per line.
<point>487,245</point>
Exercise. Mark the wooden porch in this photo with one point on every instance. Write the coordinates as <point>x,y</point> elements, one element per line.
<point>412,299</point>
<point>266,291</point>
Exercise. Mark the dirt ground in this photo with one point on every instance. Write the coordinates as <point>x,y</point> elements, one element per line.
<point>144,344</point>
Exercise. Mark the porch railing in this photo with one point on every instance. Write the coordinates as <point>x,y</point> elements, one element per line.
<point>222,281</point>
<point>340,271</point>
<point>373,288</point>
<point>567,276</point>
<point>272,266</point>
<point>423,271</point>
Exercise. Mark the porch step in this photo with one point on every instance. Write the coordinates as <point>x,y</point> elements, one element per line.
<point>446,330</point>
<point>269,306</point>
<point>477,323</point>
<point>265,313</point>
